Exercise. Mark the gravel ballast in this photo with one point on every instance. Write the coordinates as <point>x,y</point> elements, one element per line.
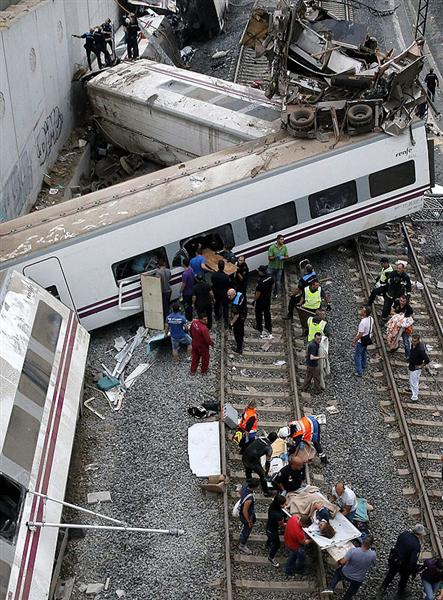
<point>141,457</point>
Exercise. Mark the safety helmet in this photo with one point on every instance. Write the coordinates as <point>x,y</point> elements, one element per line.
<point>283,432</point>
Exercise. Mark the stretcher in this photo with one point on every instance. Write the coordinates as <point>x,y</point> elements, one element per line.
<point>212,258</point>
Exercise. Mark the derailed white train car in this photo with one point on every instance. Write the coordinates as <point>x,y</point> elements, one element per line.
<point>171,115</point>
<point>42,361</point>
<point>91,250</point>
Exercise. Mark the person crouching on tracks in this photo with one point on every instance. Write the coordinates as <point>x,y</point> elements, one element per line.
<point>292,476</point>
<point>381,282</point>
<point>275,522</point>
<point>201,341</point>
<point>251,458</point>
<point>418,359</point>
<point>247,425</point>
<point>176,324</point>
<point>304,431</point>
<point>239,310</point>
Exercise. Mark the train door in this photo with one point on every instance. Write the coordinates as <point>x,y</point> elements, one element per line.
<point>49,274</point>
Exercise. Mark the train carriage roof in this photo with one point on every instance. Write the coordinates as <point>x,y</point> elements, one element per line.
<point>174,185</point>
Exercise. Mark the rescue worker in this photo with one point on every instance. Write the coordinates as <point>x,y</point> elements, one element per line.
<point>247,424</point>
<point>312,298</point>
<point>90,47</point>
<point>201,341</point>
<point>202,298</point>
<point>241,276</point>
<point>277,255</point>
<point>100,44</point>
<point>220,286</point>
<point>131,30</point>
<point>239,311</point>
<point>398,284</point>
<point>318,324</point>
<point>108,33</point>
<point>186,287</point>
<point>251,458</point>
<point>381,282</point>
<point>297,292</point>
<point>432,83</point>
<point>306,430</point>
<point>262,301</point>
<point>403,558</point>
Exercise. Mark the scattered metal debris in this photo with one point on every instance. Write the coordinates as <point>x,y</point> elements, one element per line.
<point>87,403</point>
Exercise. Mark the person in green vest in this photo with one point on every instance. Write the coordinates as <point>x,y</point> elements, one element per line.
<point>277,255</point>
<point>381,282</point>
<point>312,299</point>
<point>318,324</point>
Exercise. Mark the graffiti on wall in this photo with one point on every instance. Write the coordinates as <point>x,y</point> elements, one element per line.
<point>49,134</point>
<point>15,192</point>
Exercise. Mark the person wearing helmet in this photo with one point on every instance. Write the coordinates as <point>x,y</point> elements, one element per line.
<point>306,430</point>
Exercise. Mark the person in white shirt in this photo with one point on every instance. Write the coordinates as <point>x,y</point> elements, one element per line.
<point>346,500</point>
<point>362,340</point>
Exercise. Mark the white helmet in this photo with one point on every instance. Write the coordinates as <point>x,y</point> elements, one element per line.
<point>283,432</point>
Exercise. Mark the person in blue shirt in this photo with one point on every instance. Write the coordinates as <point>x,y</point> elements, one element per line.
<point>176,325</point>
<point>198,264</point>
<point>90,47</point>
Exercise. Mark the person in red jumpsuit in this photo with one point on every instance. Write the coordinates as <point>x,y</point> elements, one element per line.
<point>201,340</point>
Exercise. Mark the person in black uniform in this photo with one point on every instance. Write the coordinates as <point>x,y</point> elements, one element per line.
<point>131,30</point>
<point>90,47</point>
<point>239,310</point>
<point>398,284</point>
<point>263,295</point>
<point>432,83</point>
<point>241,276</point>
<point>100,45</point>
<point>220,286</point>
<point>403,558</point>
<point>202,298</point>
<point>108,33</point>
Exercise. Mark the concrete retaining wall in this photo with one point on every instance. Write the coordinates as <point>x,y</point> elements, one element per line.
<point>38,57</point>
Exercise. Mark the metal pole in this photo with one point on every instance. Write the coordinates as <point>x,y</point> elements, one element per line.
<point>80,508</point>
<point>34,524</point>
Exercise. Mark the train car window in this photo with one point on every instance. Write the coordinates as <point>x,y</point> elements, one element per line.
<point>46,328</point>
<point>11,495</point>
<point>214,239</point>
<point>392,179</point>
<point>52,289</point>
<point>178,258</point>
<point>21,438</point>
<point>271,221</point>
<point>147,261</point>
<point>332,199</point>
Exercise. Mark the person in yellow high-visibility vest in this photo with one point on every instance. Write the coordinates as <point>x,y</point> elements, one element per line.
<point>312,299</point>
<point>318,324</point>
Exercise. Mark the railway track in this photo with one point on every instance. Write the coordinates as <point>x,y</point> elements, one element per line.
<point>419,436</point>
<point>267,372</point>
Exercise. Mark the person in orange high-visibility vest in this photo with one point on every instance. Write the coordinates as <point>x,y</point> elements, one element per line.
<point>306,429</point>
<point>247,423</point>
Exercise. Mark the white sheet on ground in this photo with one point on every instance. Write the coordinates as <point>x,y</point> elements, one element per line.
<point>204,449</point>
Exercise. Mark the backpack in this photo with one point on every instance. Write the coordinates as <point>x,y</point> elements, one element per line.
<point>239,504</point>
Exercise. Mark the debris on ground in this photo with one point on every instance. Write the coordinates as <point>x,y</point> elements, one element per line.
<point>95,497</point>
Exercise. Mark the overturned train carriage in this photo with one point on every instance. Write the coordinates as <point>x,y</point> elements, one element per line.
<point>42,360</point>
<point>91,250</point>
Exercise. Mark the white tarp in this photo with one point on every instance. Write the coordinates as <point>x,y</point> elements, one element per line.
<point>204,449</point>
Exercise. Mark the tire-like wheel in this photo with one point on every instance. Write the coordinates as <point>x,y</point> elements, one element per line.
<point>360,114</point>
<point>302,118</point>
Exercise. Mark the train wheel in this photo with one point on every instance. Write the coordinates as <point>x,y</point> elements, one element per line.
<point>360,114</point>
<point>302,118</point>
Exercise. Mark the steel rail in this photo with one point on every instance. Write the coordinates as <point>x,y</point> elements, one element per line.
<point>228,569</point>
<point>298,413</point>
<point>428,296</point>
<point>402,422</point>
